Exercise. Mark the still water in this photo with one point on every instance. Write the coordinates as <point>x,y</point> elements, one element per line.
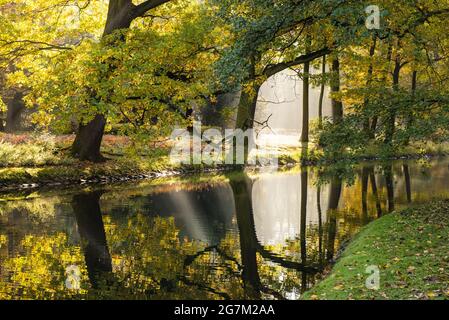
<point>255,235</point>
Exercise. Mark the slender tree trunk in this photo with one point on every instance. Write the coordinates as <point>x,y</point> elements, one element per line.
<point>322,89</point>
<point>305,97</point>
<point>391,118</point>
<point>337,104</point>
<point>305,104</point>
<point>369,80</point>
<point>384,80</point>
<point>410,113</point>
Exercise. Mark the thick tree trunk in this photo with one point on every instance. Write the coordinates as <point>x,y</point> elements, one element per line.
<point>87,142</point>
<point>245,116</point>
<point>15,106</point>
<point>87,211</point>
<point>89,136</point>
<point>242,190</point>
<point>248,101</point>
<point>337,104</point>
<point>247,110</point>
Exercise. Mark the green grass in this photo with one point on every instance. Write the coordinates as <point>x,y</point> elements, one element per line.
<point>371,152</point>
<point>411,249</point>
<point>42,158</point>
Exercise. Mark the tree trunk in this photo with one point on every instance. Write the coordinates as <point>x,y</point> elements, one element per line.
<point>323,87</point>
<point>305,103</point>
<point>89,136</point>
<point>384,80</point>
<point>410,113</point>
<point>247,109</point>
<point>369,80</point>
<point>15,106</point>
<point>391,118</point>
<point>89,220</point>
<point>305,96</point>
<point>337,105</point>
<point>248,101</point>
<point>88,140</point>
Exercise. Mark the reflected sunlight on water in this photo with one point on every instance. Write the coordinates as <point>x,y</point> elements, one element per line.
<point>264,236</point>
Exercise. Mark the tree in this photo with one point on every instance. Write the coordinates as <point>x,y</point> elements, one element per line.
<point>112,80</point>
<point>121,13</point>
<point>305,99</point>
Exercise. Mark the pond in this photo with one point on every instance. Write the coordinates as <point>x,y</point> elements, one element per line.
<point>253,235</point>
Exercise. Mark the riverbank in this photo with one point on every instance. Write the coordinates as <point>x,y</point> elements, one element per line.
<point>409,247</point>
<point>33,161</point>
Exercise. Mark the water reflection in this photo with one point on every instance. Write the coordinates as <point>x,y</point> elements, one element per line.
<point>252,236</point>
<point>86,208</point>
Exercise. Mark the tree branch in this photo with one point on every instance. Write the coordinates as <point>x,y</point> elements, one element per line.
<point>271,69</point>
<point>141,9</point>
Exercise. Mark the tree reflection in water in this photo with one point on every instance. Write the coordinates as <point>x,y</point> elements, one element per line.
<point>136,254</point>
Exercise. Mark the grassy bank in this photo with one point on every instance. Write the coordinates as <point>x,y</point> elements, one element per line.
<point>45,159</point>
<point>409,247</point>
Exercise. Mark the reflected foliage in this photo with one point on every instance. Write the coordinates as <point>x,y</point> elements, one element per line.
<point>125,250</point>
